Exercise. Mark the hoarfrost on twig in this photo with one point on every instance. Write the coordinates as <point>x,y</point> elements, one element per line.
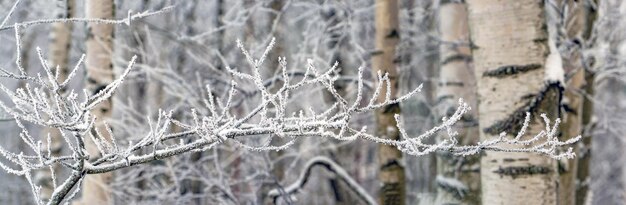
<point>40,103</point>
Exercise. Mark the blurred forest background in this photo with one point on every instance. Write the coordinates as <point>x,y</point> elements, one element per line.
<point>499,72</point>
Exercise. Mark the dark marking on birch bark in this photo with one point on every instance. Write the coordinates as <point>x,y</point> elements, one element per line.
<point>568,109</point>
<point>390,165</point>
<point>376,52</point>
<point>99,88</point>
<point>540,40</point>
<point>508,160</point>
<point>392,108</point>
<point>528,97</point>
<point>397,60</point>
<point>456,191</point>
<point>456,57</point>
<point>509,70</point>
<point>516,171</point>
<point>90,80</point>
<point>513,123</point>
<point>444,2</point>
<point>393,34</point>
<point>459,84</point>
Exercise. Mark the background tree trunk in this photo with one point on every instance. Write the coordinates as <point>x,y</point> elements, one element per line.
<point>457,81</point>
<point>574,32</point>
<point>419,64</point>
<point>509,58</point>
<point>584,153</point>
<point>572,126</point>
<point>60,38</point>
<point>391,168</point>
<point>100,73</point>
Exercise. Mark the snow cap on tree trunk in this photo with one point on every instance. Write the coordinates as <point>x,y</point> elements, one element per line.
<point>554,65</point>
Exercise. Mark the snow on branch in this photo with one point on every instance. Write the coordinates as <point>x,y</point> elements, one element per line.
<point>329,165</point>
<point>42,103</point>
<point>131,17</point>
<point>545,142</point>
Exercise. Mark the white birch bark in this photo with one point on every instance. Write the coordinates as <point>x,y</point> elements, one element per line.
<point>391,168</point>
<point>458,179</point>
<point>509,59</point>
<point>99,45</point>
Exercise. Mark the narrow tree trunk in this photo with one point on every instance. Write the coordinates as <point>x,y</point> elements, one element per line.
<point>572,126</point>
<point>575,29</point>
<point>60,38</point>
<point>509,58</point>
<point>420,61</point>
<point>584,156</point>
<point>458,178</point>
<point>391,169</point>
<point>100,73</point>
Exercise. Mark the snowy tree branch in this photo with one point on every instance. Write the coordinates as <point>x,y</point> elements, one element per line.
<point>331,166</point>
<point>42,103</point>
<point>127,21</point>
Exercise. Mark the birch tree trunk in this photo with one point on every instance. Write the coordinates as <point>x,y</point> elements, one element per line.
<point>419,62</point>
<point>572,126</point>
<point>100,73</point>
<point>576,26</point>
<point>458,178</point>
<point>391,168</point>
<point>60,38</point>
<point>509,58</point>
<point>584,157</point>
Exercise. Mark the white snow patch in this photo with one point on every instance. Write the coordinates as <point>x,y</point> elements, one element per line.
<point>554,65</point>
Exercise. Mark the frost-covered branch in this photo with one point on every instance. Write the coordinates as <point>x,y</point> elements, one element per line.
<point>331,166</point>
<point>127,21</point>
<point>40,102</point>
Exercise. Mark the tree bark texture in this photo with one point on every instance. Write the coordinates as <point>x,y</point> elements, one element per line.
<point>584,156</point>
<point>391,170</point>
<point>457,81</point>
<point>575,29</point>
<point>99,49</point>
<point>510,39</point>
